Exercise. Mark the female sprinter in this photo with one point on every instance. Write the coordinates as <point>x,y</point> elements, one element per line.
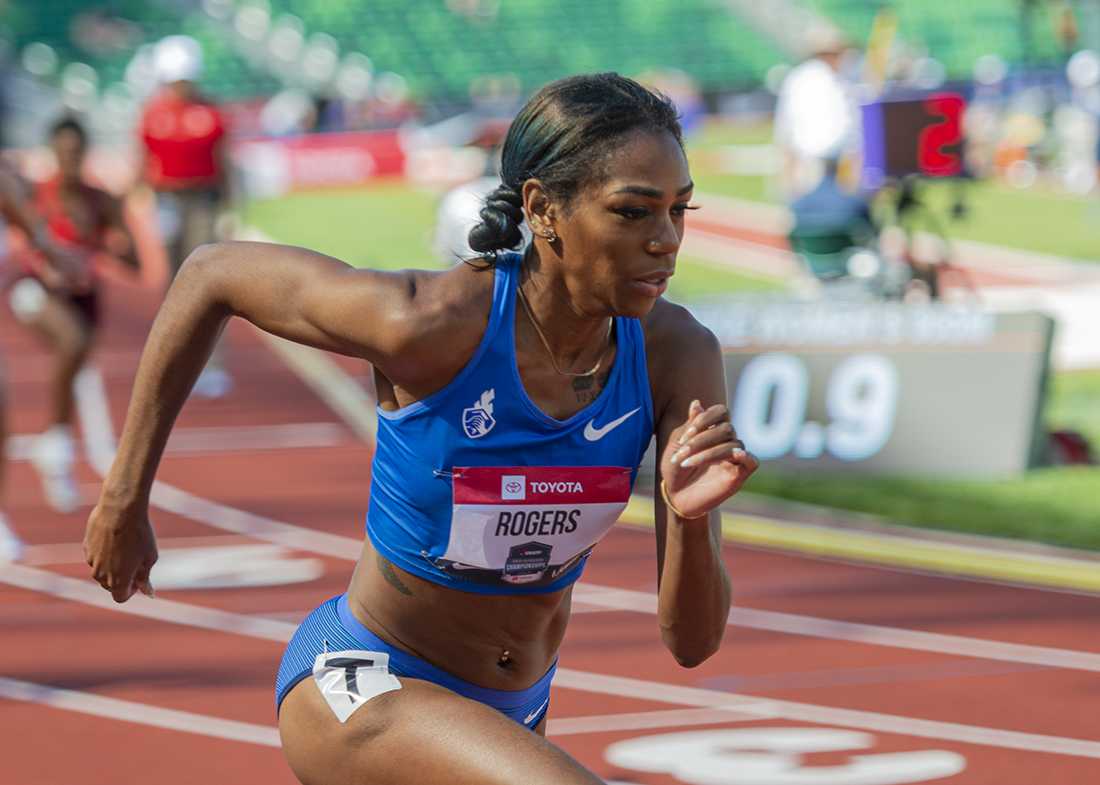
<point>82,221</point>
<point>517,396</point>
<point>54,266</point>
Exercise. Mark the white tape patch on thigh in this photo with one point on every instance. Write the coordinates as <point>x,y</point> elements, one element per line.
<point>27,298</point>
<point>348,679</point>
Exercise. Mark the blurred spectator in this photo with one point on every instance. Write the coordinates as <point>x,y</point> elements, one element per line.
<point>829,224</point>
<point>61,303</point>
<point>185,162</point>
<point>816,117</point>
<point>457,215</point>
<point>834,234</point>
<point>459,210</point>
<point>832,209</point>
<point>289,112</point>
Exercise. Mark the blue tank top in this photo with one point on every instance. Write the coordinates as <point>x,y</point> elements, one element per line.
<point>476,488</point>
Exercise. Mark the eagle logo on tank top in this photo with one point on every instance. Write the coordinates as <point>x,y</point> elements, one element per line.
<point>477,420</point>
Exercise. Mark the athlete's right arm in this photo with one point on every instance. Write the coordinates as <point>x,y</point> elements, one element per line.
<point>305,297</point>
<point>293,293</point>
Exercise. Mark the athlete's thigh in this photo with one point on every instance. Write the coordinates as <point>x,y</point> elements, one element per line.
<point>60,323</point>
<point>421,734</point>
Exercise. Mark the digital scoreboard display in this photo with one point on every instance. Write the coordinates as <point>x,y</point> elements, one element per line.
<point>884,387</point>
<point>921,136</point>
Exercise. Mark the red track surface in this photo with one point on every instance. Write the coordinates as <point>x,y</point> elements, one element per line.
<point>228,673</point>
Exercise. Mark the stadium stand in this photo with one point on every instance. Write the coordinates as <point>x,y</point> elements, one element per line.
<point>457,42</point>
<point>57,23</point>
<point>440,47</point>
<point>957,33</point>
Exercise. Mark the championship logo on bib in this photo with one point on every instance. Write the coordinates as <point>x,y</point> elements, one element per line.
<point>527,561</point>
<point>528,524</point>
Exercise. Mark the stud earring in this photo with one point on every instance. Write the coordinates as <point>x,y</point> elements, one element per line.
<point>550,236</point>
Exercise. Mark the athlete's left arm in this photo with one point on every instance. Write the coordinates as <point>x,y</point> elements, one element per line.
<point>701,464</point>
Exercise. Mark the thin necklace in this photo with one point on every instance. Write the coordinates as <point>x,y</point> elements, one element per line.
<point>549,351</point>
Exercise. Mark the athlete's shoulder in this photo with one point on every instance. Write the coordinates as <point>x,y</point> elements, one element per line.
<point>454,293</point>
<point>678,347</point>
<point>439,314</point>
<point>673,333</point>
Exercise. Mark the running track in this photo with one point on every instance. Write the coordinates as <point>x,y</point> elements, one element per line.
<point>178,689</point>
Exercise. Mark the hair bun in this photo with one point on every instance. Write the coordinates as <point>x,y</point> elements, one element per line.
<point>501,218</point>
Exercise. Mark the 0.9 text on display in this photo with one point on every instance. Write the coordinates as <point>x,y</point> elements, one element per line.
<point>771,404</point>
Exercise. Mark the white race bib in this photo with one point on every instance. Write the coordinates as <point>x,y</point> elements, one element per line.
<point>529,525</point>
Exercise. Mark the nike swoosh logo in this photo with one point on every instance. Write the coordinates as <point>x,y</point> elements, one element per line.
<point>594,434</point>
<point>535,713</point>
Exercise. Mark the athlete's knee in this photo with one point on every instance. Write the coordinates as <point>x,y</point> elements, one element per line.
<point>73,346</point>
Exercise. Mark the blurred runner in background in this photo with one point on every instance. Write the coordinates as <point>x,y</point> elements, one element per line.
<point>184,161</point>
<point>15,212</point>
<point>56,296</point>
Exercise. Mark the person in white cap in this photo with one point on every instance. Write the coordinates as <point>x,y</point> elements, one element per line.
<point>816,117</point>
<point>183,136</point>
<point>459,208</point>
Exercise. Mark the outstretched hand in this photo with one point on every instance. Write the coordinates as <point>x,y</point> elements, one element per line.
<point>704,463</point>
<point>121,549</point>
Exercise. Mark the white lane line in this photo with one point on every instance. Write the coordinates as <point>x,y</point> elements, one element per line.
<point>73,552</point>
<point>99,443</point>
<point>766,708</point>
<point>744,256</point>
<point>286,436</point>
<point>601,683</point>
<point>216,439</point>
<point>94,413</point>
<point>172,499</point>
<point>642,720</point>
<point>268,736</point>
<point>794,624</point>
<point>18,446</point>
<point>11,547</point>
<point>330,383</point>
<point>138,713</point>
<point>88,593</point>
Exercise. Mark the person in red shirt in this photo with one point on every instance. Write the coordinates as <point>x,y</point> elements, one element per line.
<point>183,140</point>
<point>80,221</point>
<point>184,161</point>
